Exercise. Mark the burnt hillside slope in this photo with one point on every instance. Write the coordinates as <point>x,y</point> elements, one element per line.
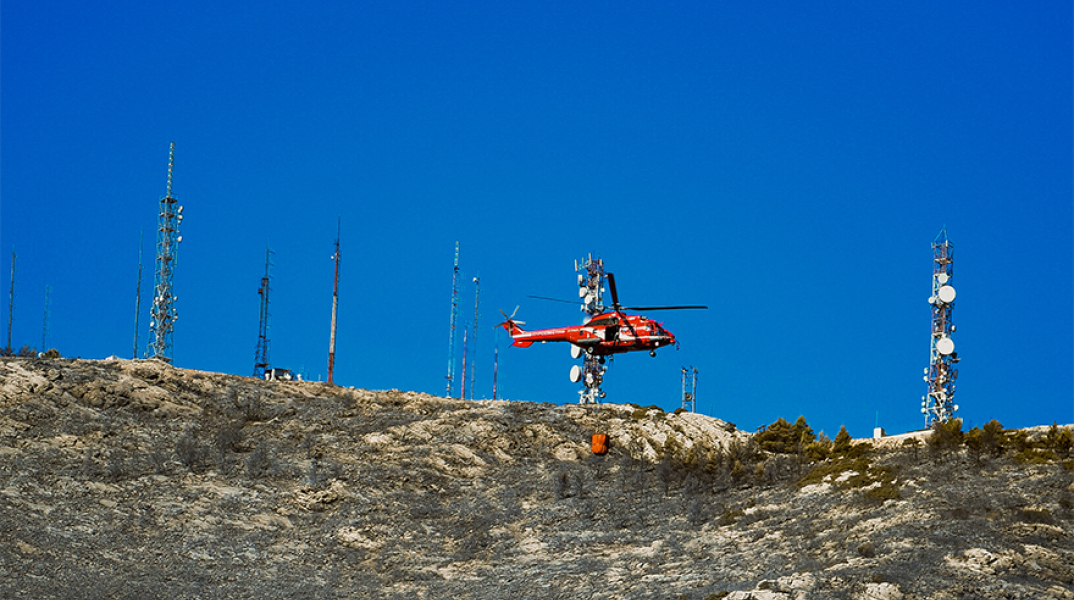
<point>134,479</point>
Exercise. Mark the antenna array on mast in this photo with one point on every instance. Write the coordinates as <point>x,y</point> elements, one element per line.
<point>164,313</point>
<point>591,291</point>
<point>938,402</point>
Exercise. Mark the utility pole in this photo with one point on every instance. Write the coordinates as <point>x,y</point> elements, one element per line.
<point>473,361</point>
<point>44,328</point>
<point>335,305</point>
<point>138,294</point>
<point>462,395</point>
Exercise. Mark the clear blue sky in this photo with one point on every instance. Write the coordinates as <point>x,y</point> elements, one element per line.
<point>786,163</point>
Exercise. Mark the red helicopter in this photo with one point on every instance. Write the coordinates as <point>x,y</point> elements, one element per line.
<point>612,332</point>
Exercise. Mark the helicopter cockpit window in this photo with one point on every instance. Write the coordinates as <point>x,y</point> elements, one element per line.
<point>603,321</point>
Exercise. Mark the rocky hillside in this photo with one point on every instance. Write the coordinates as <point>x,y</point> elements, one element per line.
<point>134,479</point>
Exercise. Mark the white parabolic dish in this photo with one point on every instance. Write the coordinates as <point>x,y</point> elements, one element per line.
<point>944,346</point>
<point>946,294</point>
<point>942,278</point>
<point>576,351</point>
<point>576,373</point>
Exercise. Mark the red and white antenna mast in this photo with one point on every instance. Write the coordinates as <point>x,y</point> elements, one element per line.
<point>591,292</point>
<point>335,305</point>
<point>938,403</point>
<point>495,368</point>
<point>164,313</point>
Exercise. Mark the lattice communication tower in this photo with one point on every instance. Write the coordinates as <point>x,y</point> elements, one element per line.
<point>938,402</point>
<point>689,389</point>
<point>591,292</point>
<point>261,354</point>
<point>164,313</point>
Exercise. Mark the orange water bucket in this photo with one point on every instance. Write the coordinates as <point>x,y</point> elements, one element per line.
<point>600,443</point>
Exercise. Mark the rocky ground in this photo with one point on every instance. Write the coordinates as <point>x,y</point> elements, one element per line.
<point>134,479</point>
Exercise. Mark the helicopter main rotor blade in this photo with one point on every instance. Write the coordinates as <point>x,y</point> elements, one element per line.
<point>554,299</point>
<point>619,309</point>
<point>615,293</point>
<point>683,307</point>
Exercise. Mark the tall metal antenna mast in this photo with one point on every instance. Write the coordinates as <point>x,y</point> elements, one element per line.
<point>454,319</point>
<point>495,367</point>
<point>689,389</point>
<point>261,354</point>
<point>335,304</point>
<point>138,294</point>
<point>938,402</point>
<point>11,302</point>
<point>44,327</point>
<point>164,313</point>
<point>473,362</point>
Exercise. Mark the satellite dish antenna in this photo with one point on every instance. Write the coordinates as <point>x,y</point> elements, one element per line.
<point>576,351</point>
<point>576,374</point>
<point>582,292</point>
<point>942,278</point>
<point>946,294</point>
<point>945,346</point>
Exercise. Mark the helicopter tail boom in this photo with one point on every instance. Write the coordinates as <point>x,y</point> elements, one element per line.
<point>512,326</point>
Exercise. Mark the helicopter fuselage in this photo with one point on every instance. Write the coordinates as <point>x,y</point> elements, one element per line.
<point>603,335</point>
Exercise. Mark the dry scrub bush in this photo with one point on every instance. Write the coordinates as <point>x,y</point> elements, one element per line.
<point>946,437</point>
